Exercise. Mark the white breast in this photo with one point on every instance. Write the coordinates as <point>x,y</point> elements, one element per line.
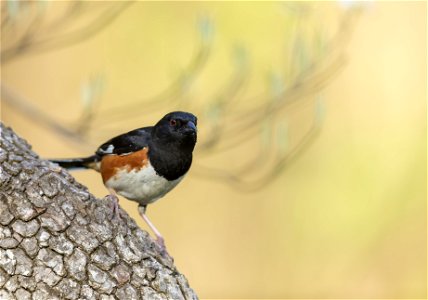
<point>144,185</point>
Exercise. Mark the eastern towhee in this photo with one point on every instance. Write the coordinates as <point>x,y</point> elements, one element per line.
<point>144,164</point>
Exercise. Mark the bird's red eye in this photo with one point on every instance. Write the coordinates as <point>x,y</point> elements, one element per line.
<point>173,122</point>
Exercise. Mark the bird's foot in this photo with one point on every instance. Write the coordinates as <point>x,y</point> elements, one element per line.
<point>114,203</point>
<point>159,239</point>
<point>161,243</point>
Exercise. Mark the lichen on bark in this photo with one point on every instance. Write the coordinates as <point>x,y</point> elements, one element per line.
<point>57,241</point>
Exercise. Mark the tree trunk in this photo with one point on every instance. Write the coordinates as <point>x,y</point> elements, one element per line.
<point>57,241</point>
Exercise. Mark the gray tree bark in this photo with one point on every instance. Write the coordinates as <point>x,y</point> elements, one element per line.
<point>57,241</point>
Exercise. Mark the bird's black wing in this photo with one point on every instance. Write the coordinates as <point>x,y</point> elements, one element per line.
<point>126,143</point>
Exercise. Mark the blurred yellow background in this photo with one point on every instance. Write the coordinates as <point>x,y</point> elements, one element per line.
<point>345,219</point>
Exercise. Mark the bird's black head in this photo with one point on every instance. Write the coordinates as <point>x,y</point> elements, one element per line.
<point>176,129</point>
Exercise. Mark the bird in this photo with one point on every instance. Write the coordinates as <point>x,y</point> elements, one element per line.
<point>144,164</point>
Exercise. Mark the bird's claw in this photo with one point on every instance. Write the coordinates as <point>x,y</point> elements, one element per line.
<point>161,243</point>
<point>114,202</point>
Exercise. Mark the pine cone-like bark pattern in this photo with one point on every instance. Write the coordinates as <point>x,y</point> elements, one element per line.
<point>57,241</point>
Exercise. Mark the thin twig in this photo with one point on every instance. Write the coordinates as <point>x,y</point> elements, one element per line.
<point>35,114</point>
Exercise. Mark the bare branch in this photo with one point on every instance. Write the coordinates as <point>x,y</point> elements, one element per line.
<point>61,40</point>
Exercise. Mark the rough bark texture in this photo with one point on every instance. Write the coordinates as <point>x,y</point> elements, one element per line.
<point>57,241</point>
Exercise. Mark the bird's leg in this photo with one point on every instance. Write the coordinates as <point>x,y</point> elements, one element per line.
<point>159,239</point>
<point>115,201</point>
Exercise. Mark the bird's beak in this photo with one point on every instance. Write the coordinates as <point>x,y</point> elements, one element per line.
<point>191,126</point>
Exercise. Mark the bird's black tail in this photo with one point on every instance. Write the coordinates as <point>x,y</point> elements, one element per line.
<point>90,162</point>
